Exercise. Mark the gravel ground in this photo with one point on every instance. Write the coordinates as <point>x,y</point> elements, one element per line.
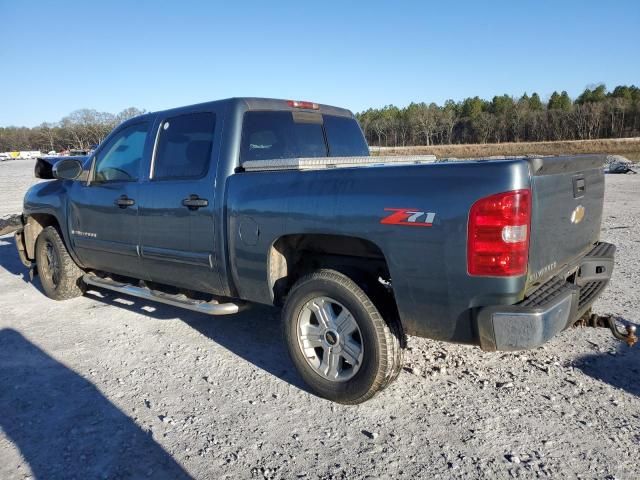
<point>16,176</point>
<point>110,387</point>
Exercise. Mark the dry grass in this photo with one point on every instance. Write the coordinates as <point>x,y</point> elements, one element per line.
<point>628,147</point>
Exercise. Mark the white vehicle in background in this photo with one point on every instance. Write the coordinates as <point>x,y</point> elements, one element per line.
<point>21,155</point>
<point>30,154</point>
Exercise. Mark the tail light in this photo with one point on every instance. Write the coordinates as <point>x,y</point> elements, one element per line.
<point>305,105</point>
<point>498,235</point>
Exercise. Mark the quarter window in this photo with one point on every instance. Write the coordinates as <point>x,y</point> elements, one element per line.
<point>184,146</point>
<point>119,159</point>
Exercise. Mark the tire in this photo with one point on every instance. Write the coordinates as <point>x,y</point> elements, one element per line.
<point>60,277</point>
<point>368,349</point>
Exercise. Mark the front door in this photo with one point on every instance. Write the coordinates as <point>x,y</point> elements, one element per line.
<point>103,213</point>
<point>177,215</point>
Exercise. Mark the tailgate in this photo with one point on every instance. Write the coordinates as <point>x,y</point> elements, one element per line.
<point>568,196</point>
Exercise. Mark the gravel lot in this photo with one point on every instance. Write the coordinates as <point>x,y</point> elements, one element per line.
<point>109,387</point>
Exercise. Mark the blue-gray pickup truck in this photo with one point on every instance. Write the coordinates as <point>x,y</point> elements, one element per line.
<point>219,205</point>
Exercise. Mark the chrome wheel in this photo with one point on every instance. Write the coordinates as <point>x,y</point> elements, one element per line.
<point>330,339</point>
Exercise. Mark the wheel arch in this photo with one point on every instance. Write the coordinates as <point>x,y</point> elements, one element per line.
<point>34,224</point>
<point>292,256</point>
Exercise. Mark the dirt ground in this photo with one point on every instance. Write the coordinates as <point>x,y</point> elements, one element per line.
<point>110,388</point>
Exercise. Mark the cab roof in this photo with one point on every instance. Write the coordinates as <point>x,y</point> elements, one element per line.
<point>254,103</point>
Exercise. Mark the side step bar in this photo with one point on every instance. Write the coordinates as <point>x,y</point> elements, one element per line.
<point>208,308</point>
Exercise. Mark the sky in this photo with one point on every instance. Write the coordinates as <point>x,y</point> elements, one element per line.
<point>56,57</point>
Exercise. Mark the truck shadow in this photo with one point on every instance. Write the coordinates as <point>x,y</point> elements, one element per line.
<point>9,259</point>
<point>253,334</point>
<point>621,370</point>
<point>64,427</point>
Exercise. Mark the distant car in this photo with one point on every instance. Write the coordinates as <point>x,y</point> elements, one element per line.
<point>618,164</point>
<point>77,153</point>
<point>277,202</point>
<point>620,168</point>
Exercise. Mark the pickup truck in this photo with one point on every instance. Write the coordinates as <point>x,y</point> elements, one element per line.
<point>219,205</point>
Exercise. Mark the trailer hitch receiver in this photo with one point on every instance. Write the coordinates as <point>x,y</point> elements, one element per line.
<point>622,329</point>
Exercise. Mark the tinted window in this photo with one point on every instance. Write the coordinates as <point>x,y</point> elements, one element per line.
<point>119,159</point>
<point>270,135</point>
<point>344,137</point>
<point>184,146</point>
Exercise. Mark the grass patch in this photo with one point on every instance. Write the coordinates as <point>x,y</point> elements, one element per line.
<point>627,147</point>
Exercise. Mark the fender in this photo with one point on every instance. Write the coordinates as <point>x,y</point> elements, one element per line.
<point>46,204</point>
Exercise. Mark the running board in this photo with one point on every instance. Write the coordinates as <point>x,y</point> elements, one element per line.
<point>208,308</point>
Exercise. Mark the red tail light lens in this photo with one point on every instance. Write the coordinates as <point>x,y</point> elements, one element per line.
<point>498,235</point>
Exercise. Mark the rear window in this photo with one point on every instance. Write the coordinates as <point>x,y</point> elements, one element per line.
<point>270,135</point>
<point>344,137</point>
<point>184,146</point>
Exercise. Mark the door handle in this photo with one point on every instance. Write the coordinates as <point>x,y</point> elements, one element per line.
<point>194,202</point>
<point>123,201</point>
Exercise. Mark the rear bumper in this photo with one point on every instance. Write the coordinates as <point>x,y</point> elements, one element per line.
<point>550,309</point>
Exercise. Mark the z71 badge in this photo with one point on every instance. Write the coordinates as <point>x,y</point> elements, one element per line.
<point>408,216</point>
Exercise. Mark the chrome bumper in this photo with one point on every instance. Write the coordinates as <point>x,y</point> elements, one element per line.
<point>553,307</point>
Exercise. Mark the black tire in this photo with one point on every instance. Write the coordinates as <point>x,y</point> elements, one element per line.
<point>60,277</point>
<point>386,305</point>
<point>381,341</point>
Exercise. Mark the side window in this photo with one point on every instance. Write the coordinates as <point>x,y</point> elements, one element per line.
<point>184,146</point>
<point>345,137</point>
<point>119,160</point>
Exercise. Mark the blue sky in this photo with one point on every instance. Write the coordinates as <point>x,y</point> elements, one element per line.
<point>56,57</point>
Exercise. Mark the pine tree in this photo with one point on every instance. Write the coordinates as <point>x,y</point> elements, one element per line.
<point>554,101</point>
<point>534,102</point>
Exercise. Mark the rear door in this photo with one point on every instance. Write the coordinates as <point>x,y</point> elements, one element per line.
<point>177,214</point>
<point>103,212</point>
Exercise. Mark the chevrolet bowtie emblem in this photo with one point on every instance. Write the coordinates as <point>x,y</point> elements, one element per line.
<point>577,215</point>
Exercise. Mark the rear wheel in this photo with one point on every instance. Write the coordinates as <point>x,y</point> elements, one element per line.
<point>337,339</point>
<point>61,278</point>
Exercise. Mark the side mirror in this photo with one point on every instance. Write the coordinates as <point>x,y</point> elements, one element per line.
<point>67,169</point>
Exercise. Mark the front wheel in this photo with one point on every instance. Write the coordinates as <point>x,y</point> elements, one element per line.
<point>337,339</point>
<point>60,277</point>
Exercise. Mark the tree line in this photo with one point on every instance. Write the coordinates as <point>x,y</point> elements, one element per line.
<point>596,113</point>
<point>80,130</point>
